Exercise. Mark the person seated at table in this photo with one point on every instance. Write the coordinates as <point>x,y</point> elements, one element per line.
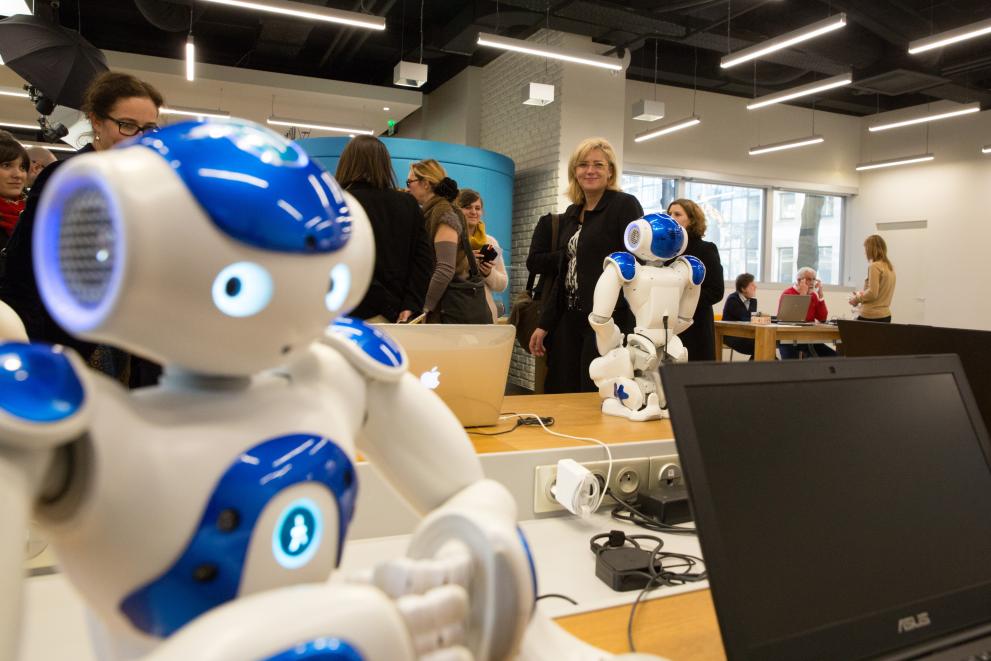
<point>807,283</point>
<point>738,307</point>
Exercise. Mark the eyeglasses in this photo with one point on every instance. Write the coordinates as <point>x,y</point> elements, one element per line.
<point>409,182</point>
<point>130,128</point>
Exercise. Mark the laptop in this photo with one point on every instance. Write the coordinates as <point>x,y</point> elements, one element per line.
<point>865,338</point>
<point>845,511</point>
<point>467,365</point>
<point>794,308</point>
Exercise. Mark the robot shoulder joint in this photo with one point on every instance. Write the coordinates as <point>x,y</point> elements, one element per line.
<point>625,263</point>
<point>368,349</point>
<point>696,266</point>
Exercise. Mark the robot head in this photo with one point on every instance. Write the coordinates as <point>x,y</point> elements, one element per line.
<point>656,236</point>
<point>218,247</point>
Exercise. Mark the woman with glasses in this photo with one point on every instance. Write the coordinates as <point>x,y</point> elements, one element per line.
<point>485,248</point>
<point>447,229</point>
<point>118,106</point>
<point>403,256</point>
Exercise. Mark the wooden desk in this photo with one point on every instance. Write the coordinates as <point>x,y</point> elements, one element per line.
<point>681,628</point>
<point>766,336</point>
<point>577,414</point>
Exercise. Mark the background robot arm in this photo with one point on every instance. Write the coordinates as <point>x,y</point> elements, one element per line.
<point>693,272</point>
<point>619,268</point>
<point>43,404</point>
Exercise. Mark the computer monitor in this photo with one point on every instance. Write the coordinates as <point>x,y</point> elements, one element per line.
<point>843,505</point>
<point>866,338</point>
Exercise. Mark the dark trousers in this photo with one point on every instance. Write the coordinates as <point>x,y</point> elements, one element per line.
<point>880,320</point>
<point>792,351</point>
<point>572,349</point>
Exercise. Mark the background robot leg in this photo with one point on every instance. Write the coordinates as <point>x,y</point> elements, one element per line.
<point>624,394</point>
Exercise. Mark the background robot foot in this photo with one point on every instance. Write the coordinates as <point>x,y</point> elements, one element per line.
<point>651,411</point>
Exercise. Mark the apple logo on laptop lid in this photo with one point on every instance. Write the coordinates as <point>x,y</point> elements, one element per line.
<point>431,379</point>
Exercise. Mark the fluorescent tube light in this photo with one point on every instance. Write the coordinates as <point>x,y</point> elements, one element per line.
<point>301,10</point>
<point>13,91</point>
<point>190,59</point>
<point>57,146</point>
<point>986,149</point>
<point>20,125</point>
<point>14,7</point>
<point>299,123</point>
<point>971,31</point>
<point>193,112</point>
<point>802,90</point>
<point>963,110</point>
<point>891,162</point>
<point>553,52</point>
<point>650,134</point>
<point>786,144</point>
<point>783,41</point>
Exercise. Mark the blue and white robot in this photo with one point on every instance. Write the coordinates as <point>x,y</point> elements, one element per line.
<point>663,295</point>
<point>201,518</point>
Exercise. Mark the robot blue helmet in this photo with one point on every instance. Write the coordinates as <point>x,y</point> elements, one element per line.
<point>256,186</point>
<point>698,268</point>
<point>668,238</point>
<point>37,383</point>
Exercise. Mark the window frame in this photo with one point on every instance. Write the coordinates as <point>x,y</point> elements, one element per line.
<point>767,221</point>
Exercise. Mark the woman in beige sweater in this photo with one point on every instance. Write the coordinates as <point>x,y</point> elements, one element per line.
<point>879,286</point>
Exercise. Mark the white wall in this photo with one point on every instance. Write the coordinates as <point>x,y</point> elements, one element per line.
<point>952,193</point>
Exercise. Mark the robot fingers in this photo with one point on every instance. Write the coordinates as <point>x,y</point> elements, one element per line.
<point>437,620</point>
<point>405,576</point>
<point>643,352</point>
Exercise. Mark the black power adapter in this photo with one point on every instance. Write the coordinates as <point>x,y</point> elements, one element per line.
<point>623,567</point>
<point>668,506</point>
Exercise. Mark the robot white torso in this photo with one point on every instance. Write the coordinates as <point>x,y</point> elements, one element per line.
<point>663,296</point>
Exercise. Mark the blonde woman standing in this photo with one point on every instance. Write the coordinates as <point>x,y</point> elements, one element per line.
<point>879,286</point>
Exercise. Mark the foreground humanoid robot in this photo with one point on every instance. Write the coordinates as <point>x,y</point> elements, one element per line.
<point>200,519</point>
<point>663,297</point>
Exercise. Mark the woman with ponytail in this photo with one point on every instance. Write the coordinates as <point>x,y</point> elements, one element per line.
<point>447,229</point>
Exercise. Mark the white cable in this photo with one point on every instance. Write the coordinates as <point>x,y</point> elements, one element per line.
<point>602,491</point>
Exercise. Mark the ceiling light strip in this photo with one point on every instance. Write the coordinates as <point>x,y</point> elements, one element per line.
<point>20,125</point>
<point>13,91</point>
<point>963,110</point>
<point>650,134</point>
<point>978,29</point>
<point>786,144</point>
<point>301,10</point>
<point>986,149</point>
<point>303,124</point>
<point>783,41</point>
<point>60,146</point>
<point>803,90</point>
<point>553,52</point>
<point>904,160</point>
<point>193,112</point>
<point>190,59</point>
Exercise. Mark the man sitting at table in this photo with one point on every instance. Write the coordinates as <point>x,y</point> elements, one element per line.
<point>738,307</point>
<point>807,283</point>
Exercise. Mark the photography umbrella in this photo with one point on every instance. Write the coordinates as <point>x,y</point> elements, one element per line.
<point>56,61</point>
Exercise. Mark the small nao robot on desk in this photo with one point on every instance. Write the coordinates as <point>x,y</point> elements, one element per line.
<point>663,295</point>
<point>201,518</point>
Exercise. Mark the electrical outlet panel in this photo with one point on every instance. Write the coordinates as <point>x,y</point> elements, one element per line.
<point>665,472</point>
<point>628,477</point>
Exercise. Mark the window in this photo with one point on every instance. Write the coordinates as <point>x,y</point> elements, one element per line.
<point>810,225</point>
<point>654,192</point>
<point>784,265</point>
<point>734,216</point>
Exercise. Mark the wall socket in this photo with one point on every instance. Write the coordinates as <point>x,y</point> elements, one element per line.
<point>628,477</point>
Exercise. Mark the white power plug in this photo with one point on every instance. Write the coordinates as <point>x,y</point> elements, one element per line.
<point>576,488</point>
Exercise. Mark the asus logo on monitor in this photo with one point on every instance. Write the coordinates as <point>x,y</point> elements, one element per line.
<point>913,622</point>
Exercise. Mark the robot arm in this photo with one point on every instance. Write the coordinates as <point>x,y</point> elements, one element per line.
<point>618,269</point>
<point>43,404</point>
<point>693,272</point>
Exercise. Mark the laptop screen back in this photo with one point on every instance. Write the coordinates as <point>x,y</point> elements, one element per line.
<point>794,307</point>
<point>465,364</point>
<point>843,500</point>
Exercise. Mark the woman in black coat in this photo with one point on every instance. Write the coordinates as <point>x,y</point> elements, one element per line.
<point>700,337</point>
<point>595,224</point>
<point>403,255</point>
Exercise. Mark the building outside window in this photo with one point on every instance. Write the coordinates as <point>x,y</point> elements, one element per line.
<point>810,224</point>
<point>734,216</point>
<point>654,192</point>
<point>784,265</point>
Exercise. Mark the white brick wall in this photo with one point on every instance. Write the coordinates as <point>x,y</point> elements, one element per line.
<point>531,136</point>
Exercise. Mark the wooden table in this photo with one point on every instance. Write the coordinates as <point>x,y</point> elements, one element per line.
<point>766,336</point>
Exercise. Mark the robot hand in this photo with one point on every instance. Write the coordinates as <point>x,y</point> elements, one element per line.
<point>642,352</point>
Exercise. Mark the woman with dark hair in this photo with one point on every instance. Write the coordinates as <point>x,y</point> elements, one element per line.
<point>118,107</point>
<point>594,226</point>
<point>446,227</point>
<point>403,259</point>
<point>740,306</point>
<point>700,337</point>
<point>14,166</point>
<point>487,251</point>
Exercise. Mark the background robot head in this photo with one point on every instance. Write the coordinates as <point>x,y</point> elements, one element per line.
<point>219,247</point>
<point>656,236</point>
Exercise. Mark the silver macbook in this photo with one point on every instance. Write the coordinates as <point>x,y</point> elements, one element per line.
<point>465,364</point>
<point>793,308</point>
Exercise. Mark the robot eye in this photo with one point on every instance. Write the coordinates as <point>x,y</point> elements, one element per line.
<point>340,286</point>
<point>242,289</point>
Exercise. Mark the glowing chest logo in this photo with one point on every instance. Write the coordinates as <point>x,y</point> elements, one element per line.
<point>297,533</point>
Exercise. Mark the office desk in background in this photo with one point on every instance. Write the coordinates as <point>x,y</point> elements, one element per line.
<point>766,336</point>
